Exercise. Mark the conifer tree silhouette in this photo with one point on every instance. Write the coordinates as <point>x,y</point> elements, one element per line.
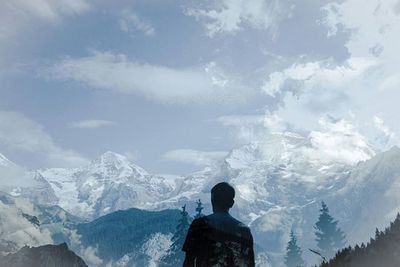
<point>329,236</point>
<point>199,209</point>
<point>175,255</point>
<point>293,253</point>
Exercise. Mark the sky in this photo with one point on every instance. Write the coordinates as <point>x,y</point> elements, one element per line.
<point>176,84</point>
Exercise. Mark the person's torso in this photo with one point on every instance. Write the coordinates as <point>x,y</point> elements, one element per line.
<point>226,242</point>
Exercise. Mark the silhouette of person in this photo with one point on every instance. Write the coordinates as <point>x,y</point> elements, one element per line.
<point>219,239</point>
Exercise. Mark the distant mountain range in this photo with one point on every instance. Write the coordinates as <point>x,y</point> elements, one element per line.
<point>129,236</point>
<point>280,184</point>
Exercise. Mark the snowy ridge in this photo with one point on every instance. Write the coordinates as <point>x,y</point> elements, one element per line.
<point>5,161</point>
<point>107,184</point>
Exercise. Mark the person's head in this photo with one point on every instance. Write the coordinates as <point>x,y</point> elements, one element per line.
<point>222,195</point>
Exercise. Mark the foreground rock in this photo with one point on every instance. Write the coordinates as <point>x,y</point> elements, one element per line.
<point>44,256</point>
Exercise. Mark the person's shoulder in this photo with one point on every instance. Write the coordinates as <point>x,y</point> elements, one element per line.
<point>239,223</point>
<point>243,227</point>
<point>199,222</point>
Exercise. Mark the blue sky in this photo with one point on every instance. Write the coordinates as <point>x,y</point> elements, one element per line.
<point>175,85</point>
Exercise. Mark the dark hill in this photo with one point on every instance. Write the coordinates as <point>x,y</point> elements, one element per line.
<point>381,251</point>
<point>43,256</point>
<point>123,232</point>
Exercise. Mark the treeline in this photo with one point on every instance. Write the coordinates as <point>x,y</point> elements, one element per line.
<point>328,235</point>
<point>175,256</point>
<point>329,238</point>
<point>383,250</point>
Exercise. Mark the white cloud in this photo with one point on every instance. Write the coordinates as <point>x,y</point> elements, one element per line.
<point>131,23</point>
<point>239,120</point>
<point>115,72</point>
<point>195,157</point>
<point>379,123</point>
<point>90,256</point>
<point>356,90</point>
<point>17,14</point>
<point>20,133</point>
<point>329,141</point>
<point>47,10</point>
<point>386,137</point>
<point>16,228</point>
<point>13,176</point>
<point>231,15</point>
<point>338,141</point>
<point>18,19</point>
<point>374,28</point>
<point>249,128</point>
<point>132,155</point>
<point>308,76</point>
<point>91,124</point>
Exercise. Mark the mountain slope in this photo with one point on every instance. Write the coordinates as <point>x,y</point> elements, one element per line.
<point>370,197</point>
<point>19,182</point>
<point>124,232</point>
<point>107,184</point>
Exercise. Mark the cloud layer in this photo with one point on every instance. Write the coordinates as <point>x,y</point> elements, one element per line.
<point>195,157</point>
<point>19,133</point>
<point>115,72</point>
<point>230,16</point>
<point>132,23</point>
<point>91,124</point>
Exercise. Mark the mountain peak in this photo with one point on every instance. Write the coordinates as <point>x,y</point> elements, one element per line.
<point>110,161</point>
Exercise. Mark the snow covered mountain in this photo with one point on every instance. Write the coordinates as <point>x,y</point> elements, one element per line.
<point>20,182</point>
<point>371,195</point>
<point>107,184</point>
<point>280,184</point>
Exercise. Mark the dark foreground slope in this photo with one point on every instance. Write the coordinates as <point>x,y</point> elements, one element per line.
<point>381,251</point>
<point>43,256</point>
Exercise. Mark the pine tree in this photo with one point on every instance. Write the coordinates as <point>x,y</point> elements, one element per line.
<point>175,255</point>
<point>377,233</point>
<point>199,209</point>
<point>293,253</point>
<point>329,236</point>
